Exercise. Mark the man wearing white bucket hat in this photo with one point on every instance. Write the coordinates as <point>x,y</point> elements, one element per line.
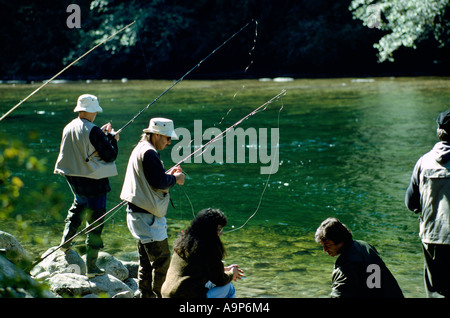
<point>88,180</point>
<point>146,189</point>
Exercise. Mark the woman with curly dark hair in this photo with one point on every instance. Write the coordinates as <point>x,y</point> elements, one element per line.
<point>196,269</point>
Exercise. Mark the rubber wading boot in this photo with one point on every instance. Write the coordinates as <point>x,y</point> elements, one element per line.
<point>91,263</point>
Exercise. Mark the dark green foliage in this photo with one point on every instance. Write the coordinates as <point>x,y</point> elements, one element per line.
<point>298,38</point>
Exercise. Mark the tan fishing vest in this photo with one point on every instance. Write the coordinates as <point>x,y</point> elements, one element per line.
<point>137,190</point>
<point>75,148</point>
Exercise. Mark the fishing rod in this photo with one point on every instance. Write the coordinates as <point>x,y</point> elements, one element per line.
<point>115,209</point>
<point>87,229</point>
<point>91,226</point>
<point>279,95</point>
<point>175,83</point>
<point>63,70</point>
<point>262,193</point>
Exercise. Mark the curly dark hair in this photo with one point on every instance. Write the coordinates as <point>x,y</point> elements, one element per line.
<point>200,239</point>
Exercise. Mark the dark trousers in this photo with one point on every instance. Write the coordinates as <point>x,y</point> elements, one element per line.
<point>91,207</point>
<point>437,270</point>
<point>154,260</point>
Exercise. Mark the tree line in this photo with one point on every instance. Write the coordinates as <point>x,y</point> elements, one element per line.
<point>299,38</point>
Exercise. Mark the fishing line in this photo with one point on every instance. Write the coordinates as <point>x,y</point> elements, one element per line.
<point>250,53</point>
<point>220,122</point>
<point>189,200</point>
<point>175,83</point>
<point>64,69</point>
<point>254,112</point>
<point>253,48</point>
<point>223,118</point>
<point>279,95</point>
<point>231,108</point>
<point>265,186</point>
<point>222,135</point>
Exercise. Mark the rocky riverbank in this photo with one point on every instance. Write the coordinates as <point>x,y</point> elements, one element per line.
<point>62,274</point>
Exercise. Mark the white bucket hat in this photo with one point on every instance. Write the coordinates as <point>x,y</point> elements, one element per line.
<point>88,103</point>
<point>162,126</point>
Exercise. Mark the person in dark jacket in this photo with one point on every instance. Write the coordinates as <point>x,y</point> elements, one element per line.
<point>146,189</point>
<point>88,179</point>
<point>196,269</point>
<point>359,271</point>
<point>428,195</point>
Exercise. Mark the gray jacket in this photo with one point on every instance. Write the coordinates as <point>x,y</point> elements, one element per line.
<point>429,194</point>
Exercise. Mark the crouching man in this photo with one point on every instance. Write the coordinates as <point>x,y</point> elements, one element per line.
<point>359,271</point>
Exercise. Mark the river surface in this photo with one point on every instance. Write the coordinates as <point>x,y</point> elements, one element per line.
<point>347,148</point>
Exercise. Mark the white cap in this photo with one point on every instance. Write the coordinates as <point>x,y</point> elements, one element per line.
<point>88,103</point>
<point>162,126</point>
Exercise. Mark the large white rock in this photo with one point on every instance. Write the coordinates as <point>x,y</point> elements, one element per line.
<point>60,262</point>
<point>13,250</point>
<point>71,284</point>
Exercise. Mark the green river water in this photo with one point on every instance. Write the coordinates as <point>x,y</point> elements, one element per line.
<point>347,148</point>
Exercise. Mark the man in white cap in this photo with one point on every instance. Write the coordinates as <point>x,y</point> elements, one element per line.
<point>146,189</point>
<point>88,179</point>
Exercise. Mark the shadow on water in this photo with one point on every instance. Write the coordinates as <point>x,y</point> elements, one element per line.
<point>347,149</point>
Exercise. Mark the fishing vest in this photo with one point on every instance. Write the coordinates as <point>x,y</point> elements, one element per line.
<point>75,148</point>
<point>434,187</point>
<point>137,190</point>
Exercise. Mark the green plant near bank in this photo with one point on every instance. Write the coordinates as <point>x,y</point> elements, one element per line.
<point>40,198</point>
